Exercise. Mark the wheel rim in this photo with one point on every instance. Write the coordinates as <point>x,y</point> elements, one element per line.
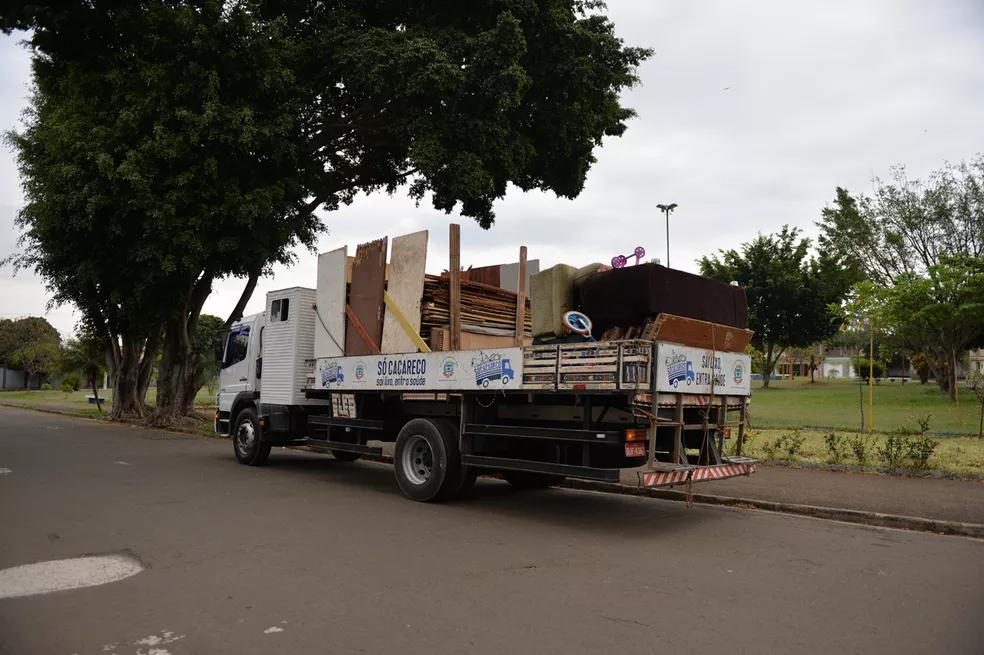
<point>418,460</point>
<point>245,437</point>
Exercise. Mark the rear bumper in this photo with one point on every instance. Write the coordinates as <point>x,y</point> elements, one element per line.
<point>696,474</point>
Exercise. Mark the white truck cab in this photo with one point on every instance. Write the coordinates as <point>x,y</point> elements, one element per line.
<point>241,368</point>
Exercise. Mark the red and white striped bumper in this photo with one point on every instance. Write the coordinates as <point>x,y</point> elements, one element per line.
<point>696,474</point>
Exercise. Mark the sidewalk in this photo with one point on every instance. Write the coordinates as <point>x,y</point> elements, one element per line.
<point>944,500</point>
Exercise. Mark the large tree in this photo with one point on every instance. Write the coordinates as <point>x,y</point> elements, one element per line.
<point>789,292</point>
<point>908,225</point>
<point>171,144</point>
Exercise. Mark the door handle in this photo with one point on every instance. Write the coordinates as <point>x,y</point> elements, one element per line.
<point>242,379</point>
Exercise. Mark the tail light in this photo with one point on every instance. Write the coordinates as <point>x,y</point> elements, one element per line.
<point>637,434</point>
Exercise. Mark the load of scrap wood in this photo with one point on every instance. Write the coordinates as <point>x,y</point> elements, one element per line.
<point>397,307</point>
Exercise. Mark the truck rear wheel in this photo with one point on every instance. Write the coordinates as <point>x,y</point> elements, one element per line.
<point>427,461</point>
<point>246,439</point>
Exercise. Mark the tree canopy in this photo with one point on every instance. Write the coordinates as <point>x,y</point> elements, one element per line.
<point>172,144</point>
<point>789,292</point>
<point>30,344</point>
<point>908,225</point>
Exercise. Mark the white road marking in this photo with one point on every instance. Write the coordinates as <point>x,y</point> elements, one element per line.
<point>5,471</point>
<point>62,574</point>
<point>272,629</point>
<point>120,461</point>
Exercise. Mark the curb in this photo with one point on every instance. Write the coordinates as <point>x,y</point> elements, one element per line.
<point>900,522</point>
<point>913,523</point>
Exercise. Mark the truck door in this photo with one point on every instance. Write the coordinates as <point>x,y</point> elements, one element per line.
<point>237,362</point>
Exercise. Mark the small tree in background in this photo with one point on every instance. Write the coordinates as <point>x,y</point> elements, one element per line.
<point>86,356</point>
<point>789,292</point>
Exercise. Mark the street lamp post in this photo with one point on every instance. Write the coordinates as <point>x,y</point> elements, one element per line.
<point>667,210</point>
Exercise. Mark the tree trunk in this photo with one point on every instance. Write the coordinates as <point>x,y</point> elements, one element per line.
<point>127,400</point>
<point>172,376</point>
<point>95,393</point>
<point>952,377</point>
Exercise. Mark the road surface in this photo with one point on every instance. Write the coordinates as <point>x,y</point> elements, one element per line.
<point>310,555</point>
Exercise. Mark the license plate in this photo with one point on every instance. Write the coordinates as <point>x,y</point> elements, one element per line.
<point>635,450</point>
<point>343,405</point>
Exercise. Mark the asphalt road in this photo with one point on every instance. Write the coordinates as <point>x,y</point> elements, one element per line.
<point>309,555</point>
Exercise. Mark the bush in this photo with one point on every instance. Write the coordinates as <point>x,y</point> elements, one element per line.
<point>787,445</point>
<point>70,382</point>
<point>920,450</point>
<point>861,446</point>
<point>836,446</point>
<point>46,387</point>
<point>895,448</point>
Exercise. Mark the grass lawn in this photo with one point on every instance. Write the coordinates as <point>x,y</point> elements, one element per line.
<point>830,404</point>
<point>67,400</point>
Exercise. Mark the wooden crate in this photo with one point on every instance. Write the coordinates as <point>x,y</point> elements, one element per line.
<point>540,367</point>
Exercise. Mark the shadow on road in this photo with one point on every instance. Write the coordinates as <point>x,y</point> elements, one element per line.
<point>610,514</point>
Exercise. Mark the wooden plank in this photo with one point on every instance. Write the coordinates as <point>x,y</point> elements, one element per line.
<point>408,259</point>
<point>366,297</point>
<point>360,330</point>
<point>329,324</point>
<point>521,298</point>
<point>483,274</point>
<point>454,276</point>
<point>697,334</point>
<point>395,314</point>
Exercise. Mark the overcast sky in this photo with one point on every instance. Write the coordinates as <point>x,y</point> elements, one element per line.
<point>750,114</point>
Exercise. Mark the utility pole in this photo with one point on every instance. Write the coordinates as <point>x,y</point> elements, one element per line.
<point>667,210</point>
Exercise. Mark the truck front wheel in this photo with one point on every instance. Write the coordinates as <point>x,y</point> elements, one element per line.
<point>427,461</point>
<point>246,439</point>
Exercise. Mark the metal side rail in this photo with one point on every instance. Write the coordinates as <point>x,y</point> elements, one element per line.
<point>325,446</point>
<point>565,470</point>
<point>665,475</point>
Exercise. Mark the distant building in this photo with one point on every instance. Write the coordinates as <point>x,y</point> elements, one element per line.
<point>977,361</point>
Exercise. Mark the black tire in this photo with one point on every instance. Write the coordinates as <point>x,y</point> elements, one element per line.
<point>427,462</point>
<point>527,480</point>
<point>249,450</point>
<point>345,456</point>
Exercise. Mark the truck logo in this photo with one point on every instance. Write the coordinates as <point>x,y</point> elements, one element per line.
<point>332,373</point>
<point>679,369</point>
<point>738,374</point>
<point>493,369</point>
<point>448,368</point>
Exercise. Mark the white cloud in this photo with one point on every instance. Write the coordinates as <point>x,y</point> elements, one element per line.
<point>749,115</point>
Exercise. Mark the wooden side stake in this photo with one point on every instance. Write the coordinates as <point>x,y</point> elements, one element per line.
<point>521,299</point>
<point>454,278</point>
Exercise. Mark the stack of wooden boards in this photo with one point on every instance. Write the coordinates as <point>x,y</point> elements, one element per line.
<point>488,314</point>
<point>367,306</point>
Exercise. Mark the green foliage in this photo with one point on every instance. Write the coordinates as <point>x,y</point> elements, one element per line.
<point>70,382</point>
<point>836,446</point>
<point>894,449</point>
<point>918,451</point>
<point>789,292</point>
<point>862,447</point>
<point>862,367</point>
<point>46,387</point>
<point>786,446</point>
<point>908,226</point>
<point>169,145</point>
<point>86,356</point>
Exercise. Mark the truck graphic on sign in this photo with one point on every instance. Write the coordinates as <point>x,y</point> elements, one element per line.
<point>680,371</point>
<point>332,373</point>
<point>493,369</point>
